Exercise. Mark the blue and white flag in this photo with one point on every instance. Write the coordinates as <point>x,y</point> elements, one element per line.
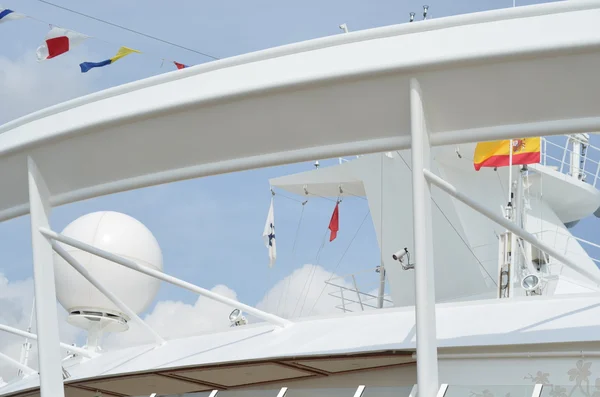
<point>269,235</point>
<point>9,15</point>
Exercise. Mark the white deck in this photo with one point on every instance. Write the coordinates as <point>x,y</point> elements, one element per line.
<point>501,72</point>
<point>483,323</point>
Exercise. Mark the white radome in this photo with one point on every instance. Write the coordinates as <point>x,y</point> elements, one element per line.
<point>119,234</point>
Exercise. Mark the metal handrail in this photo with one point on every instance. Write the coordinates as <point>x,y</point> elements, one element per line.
<point>589,167</point>
<point>358,297</point>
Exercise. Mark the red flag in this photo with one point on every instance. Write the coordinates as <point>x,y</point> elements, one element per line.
<point>334,223</point>
<point>180,65</point>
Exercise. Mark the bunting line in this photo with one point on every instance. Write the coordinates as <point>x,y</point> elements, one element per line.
<point>59,40</point>
<point>123,51</point>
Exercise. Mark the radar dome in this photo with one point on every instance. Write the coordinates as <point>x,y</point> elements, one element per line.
<point>119,234</point>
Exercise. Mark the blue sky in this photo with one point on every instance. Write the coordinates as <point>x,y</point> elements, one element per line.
<point>209,229</point>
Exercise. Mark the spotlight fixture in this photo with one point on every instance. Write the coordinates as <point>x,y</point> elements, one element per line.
<point>530,282</point>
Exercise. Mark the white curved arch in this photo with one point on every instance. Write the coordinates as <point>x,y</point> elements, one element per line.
<point>335,96</point>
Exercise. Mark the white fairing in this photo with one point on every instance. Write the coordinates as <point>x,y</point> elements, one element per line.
<point>119,234</point>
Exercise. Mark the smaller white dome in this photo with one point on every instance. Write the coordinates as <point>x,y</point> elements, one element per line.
<point>119,234</point>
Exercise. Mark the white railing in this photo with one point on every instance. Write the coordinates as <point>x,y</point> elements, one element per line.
<point>346,289</point>
<point>585,243</point>
<point>572,155</point>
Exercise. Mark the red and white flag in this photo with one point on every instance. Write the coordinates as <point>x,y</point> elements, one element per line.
<point>58,41</point>
<point>334,223</point>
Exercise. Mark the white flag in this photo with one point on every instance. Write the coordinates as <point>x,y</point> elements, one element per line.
<point>269,235</point>
<point>9,15</point>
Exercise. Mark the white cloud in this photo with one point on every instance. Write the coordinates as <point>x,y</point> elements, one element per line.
<point>27,85</point>
<point>302,293</point>
<point>171,319</point>
<point>16,299</point>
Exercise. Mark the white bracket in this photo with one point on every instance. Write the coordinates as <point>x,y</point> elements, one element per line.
<point>442,390</point>
<point>359,391</point>
<point>537,390</point>
<point>282,392</point>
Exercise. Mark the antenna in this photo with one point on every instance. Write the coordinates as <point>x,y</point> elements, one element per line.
<point>344,27</point>
<point>317,164</point>
<point>425,10</point>
<point>412,17</point>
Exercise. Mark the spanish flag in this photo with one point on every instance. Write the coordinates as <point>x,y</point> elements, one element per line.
<point>497,153</point>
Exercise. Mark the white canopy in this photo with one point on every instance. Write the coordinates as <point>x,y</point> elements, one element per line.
<point>514,72</point>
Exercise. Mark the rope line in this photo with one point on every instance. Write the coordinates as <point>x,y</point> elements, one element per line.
<point>456,231</point>
<point>287,287</point>
<point>129,30</point>
<point>340,261</point>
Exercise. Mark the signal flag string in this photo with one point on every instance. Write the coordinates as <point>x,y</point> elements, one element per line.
<point>60,40</point>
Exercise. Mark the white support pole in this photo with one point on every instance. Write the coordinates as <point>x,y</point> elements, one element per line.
<point>359,391</point>
<point>113,298</point>
<point>282,392</point>
<point>24,368</point>
<point>25,334</point>
<point>530,238</point>
<point>442,391</point>
<point>49,359</point>
<point>282,322</point>
<point>427,366</point>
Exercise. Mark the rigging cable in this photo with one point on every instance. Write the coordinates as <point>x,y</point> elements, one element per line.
<point>311,271</point>
<point>284,295</point>
<point>456,231</point>
<point>129,30</point>
<point>340,261</point>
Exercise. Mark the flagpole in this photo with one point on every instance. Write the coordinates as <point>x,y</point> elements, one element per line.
<point>510,163</point>
<point>510,217</point>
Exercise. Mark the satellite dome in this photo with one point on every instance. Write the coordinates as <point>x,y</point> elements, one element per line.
<point>119,234</point>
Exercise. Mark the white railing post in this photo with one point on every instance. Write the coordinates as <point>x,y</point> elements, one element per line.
<point>427,365</point>
<point>359,391</point>
<point>26,370</point>
<point>537,390</point>
<point>25,334</point>
<point>362,308</point>
<point>282,392</point>
<point>442,390</point>
<point>213,393</point>
<point>49,360</point>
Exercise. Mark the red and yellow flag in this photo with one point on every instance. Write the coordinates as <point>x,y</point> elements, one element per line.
<point>497,153</point>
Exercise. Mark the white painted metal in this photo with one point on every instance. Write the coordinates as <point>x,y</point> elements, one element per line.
<point>359,391</point>
<point>528,354</point>
<point>22,367</point>
<point>75,349</point>
<point>427,369</point>
<point>164,277</point>
<point>448,188</point>
<point>213,393</point>
<point>381,289</point>
<point>413,391</point>
<point>114,299</point>
<point>49,359</point>
<point>442,390</point>
<point>282,392</point>
<point>537,390</point>
<point>360,72</point>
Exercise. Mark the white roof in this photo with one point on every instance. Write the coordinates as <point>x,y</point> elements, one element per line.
<point>489,323</point>
<point>494,72</point>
